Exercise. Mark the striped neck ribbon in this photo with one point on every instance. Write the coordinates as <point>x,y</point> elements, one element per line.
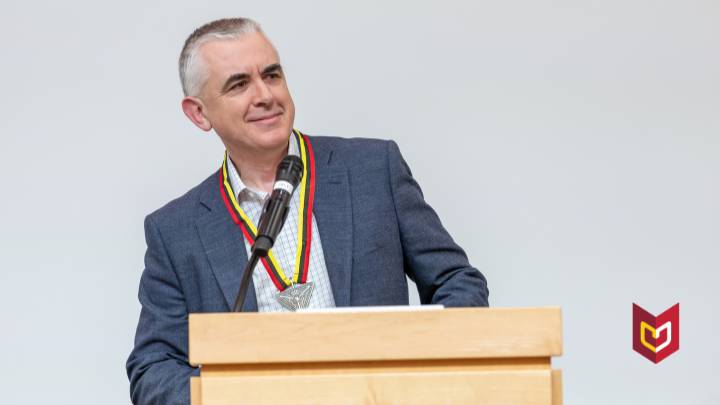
<point>306,188</point>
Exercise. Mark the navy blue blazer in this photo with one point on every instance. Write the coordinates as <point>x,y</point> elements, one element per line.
<point>375,228</point>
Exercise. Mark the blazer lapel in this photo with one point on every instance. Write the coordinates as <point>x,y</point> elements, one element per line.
<point>224,246</point>
<point>333,213</point>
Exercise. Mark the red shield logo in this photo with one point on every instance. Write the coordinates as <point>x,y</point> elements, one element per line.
<point>656,337</point>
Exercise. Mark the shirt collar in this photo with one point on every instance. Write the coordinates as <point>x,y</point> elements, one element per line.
<point>236,182</point>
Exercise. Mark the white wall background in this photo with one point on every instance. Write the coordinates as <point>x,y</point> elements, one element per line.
<point>588,132</point>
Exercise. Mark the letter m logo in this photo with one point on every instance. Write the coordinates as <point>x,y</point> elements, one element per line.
<point>656,337</point>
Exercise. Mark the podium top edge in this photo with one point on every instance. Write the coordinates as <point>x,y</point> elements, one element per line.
<point>452,333</point>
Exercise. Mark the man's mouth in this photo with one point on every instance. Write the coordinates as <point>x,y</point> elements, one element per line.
<point>266,118</point>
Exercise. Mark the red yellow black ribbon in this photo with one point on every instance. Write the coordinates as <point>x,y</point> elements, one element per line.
<point>306,188</point>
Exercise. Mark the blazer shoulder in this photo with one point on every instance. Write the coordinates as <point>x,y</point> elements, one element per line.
<point>352,151</point>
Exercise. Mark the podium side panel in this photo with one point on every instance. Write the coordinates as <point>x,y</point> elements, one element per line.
<point>557,391</point>
<point>195,397</point>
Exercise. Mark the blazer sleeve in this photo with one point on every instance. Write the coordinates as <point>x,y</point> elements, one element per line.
<point>158,369</point>
<point>431,258</point>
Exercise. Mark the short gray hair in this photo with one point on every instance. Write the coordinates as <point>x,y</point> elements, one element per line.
<point>192,73</point>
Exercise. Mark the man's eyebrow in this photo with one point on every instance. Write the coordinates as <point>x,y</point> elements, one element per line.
<point>232,79</point>
<point>275,67</point>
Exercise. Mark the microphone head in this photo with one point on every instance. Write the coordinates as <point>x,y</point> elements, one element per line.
<point>290,170</point>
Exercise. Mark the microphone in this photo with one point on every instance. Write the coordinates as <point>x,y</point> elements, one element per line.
<point>289,173</point>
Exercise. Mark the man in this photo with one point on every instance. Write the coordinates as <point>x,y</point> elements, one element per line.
<point>358,223</point>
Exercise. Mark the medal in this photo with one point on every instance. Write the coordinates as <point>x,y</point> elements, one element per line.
<point>296,297</point>
<point>293,293</point>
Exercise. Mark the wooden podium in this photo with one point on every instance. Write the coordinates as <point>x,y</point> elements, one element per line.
<point>446,356</point>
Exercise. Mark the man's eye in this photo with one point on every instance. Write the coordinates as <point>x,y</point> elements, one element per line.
<point>273,76</point>
<point>238,85</point>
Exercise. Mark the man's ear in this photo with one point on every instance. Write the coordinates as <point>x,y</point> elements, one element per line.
<point>194,109</point>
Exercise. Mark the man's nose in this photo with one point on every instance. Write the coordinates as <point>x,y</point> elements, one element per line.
<point>263,95</point>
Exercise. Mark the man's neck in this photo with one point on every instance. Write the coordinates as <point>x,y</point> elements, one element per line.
<point>257,169</point>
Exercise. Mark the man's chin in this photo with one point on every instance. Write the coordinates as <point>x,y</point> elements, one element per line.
<point>273,139</point>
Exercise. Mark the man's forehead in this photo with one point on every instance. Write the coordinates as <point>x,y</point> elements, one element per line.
<point>244,54</point>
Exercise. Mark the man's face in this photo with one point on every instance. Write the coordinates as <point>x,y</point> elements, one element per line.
<point>246,96</point>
